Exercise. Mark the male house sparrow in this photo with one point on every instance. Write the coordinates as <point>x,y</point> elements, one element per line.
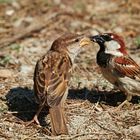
<point>117,66</point>
<point>51,78</point>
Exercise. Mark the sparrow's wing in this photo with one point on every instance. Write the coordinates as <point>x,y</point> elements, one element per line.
<point>52,80</point>
<point>39,82</point>
<point>58,82</point>
<point>127,66</point>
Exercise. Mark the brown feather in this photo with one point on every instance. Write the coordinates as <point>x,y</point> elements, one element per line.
<point>58,122</point>
<point>127,66</point>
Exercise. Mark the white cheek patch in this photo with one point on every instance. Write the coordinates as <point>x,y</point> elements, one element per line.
<point>112,47</point>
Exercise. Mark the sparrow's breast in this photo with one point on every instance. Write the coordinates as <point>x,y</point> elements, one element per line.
<point>108,74</point>
<point>129,85</point>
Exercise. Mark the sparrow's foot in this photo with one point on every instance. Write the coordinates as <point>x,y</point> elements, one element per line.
<point>126,102</point>
<point>34,120</point>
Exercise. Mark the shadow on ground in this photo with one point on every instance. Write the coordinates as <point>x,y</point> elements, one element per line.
<point>111,98</point>
<point>21,100</point>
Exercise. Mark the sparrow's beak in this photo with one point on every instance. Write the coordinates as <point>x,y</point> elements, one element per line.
<point>85,41</point>
<point>96,38</point>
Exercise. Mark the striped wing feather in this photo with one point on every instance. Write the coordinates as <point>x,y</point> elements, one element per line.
<point>51,78</point>
<point>127,66</point>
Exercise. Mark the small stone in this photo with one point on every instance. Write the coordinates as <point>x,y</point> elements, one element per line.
<point>26,69</point>
<point>2,86</point>
<point>57,2</point>
<point>135,130</point>
<point>10,12</point>
<point>10,129</point>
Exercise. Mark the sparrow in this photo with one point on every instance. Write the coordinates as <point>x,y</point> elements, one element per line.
<point>51,78</point>
<point>117,66</point>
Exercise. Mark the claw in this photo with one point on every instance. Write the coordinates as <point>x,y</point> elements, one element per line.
<point>34,120</point>
<point>126,102</point>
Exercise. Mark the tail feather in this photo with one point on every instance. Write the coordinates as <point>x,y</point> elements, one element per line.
<point>58,123</point>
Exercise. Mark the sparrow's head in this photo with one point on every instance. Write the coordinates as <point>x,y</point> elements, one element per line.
<point>70,44</point>
<point>110,43</point>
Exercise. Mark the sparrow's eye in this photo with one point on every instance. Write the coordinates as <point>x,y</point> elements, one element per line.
<point>76,40</point>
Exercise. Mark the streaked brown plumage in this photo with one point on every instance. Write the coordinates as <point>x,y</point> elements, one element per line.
<point>51,78</point>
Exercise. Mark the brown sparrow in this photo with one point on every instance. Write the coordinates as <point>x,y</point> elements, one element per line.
<point>51,78</point>
<point>117,66</point>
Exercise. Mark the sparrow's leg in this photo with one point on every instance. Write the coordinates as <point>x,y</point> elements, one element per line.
<point>35,118</point>
<point>126,102</point>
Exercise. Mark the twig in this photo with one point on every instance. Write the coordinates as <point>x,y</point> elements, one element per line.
<point>77,104</point>
<point>4,136</point>
<point>96,106</point>
<point>29,136</point>
<point>65,137</point>
<point>85,134</point>
<point>110,130</point>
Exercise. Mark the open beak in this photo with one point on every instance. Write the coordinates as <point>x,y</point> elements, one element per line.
<point>85,41</point>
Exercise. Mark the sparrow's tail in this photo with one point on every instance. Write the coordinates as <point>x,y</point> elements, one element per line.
<point>58,122</point>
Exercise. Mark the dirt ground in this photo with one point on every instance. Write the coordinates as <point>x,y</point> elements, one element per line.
<point>27,30</point>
